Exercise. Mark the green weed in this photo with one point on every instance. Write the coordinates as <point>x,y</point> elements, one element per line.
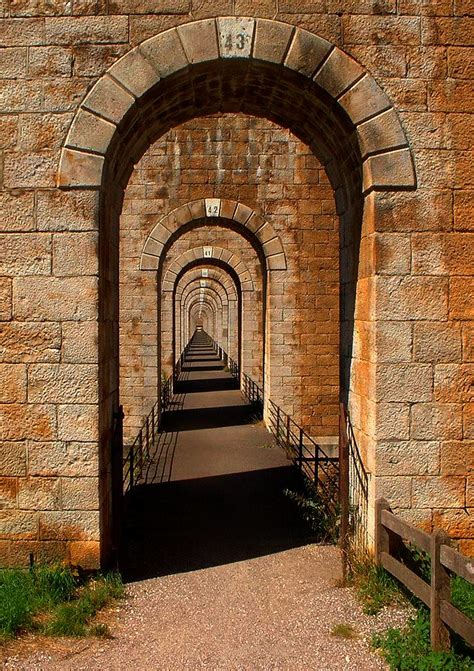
<point>314,511</point>
<point>343,630</point>
<point>409,649</point>
<point>52,600</point>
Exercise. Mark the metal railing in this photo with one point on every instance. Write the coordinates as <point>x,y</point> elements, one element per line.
<point>139,451</point>
<point>354,495</point>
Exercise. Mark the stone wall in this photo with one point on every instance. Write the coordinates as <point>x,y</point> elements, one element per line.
<point>408,344</point>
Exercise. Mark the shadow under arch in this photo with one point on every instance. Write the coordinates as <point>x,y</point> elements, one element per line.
<point>282,73</point>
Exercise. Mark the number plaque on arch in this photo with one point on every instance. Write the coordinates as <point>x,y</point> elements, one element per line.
<point>235,37</point>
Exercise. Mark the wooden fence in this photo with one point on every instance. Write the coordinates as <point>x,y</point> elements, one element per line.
<point>390,532</point>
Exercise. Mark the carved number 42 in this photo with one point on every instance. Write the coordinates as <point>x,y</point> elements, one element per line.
<point>240,42</point>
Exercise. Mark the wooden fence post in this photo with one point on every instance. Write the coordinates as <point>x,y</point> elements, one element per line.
<point>344,490</point>
<point>382,535</point>
<point>440,590</point>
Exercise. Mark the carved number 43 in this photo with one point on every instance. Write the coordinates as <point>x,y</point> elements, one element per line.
<point>240,42</point>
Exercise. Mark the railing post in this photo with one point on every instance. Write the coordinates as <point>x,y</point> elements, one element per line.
<point>384,541</point>
<point>131,457</point>
<point>288,443</point>
<point>148,437</point>
<point>440,590</point>
<point>300,450</point>
<point>140,450</point>
<point>344,490</point>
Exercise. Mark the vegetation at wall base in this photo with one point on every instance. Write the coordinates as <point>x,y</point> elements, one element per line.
<point>409,649</point>
<point>313,509</point>
<point>54,600</point>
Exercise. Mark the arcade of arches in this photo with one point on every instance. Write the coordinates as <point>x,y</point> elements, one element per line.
<point>258,180</point>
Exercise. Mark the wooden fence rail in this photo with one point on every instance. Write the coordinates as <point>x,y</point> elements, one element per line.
<point>390,532</point>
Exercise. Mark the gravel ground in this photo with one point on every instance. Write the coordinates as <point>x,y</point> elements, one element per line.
<point>274,612</point>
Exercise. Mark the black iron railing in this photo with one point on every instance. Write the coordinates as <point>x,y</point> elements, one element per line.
<point>139,451</point>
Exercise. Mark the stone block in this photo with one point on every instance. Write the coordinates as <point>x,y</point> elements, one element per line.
<point>75,254</point>
<point>80,170</point>
<point>438,492</point>
<point>338,72</point>
<point>80,342</point>
<point>199,40</point>
<point>51,298</point>
<point>393,421</point>
<point>165,52</point>
<point>8,133</point>
<point>393,342</point>
<point>412,298</point>
<point>382,132</point>
<point>6,303</point>
<point>437,342</point>
<point>12,458</point>
<point>235,36</point>
<point>63,211</point>
<point>22,421</point>
<point>18,525</point>
<point>461,291</point>
<point>80,493</point>
<point>454,383</point>
<point>85,554</point>
<point>408,458</point>
<point>86,30</point>
<point>13,387</point>
<point>61,459</point>
<point>78,423</point>
<point>363,100</point>
<point>271,40</point>
<point>456,523</point>
<point>33,170</point>
<point>403,383</point>
<point>307,52</point>
<point>397,490</point>
<point>392,254</point>
<point>150,6</point>
<point>23,343</point>
<point>13,62</point>
<point>468,420</point>
<point>436,421</point>
<point>91,133</point>
<point>39,493</point>
<point>25,254</point>
<point>8,492</point>
<point>65,382</point>
<point>50,62</point>
<point>463,208</point>
<point>28,32</point>
<point>443,254</point>
<point>69,525</point>
<point>135,72</point>
<point>468,342</point>
<point>391,169</point>
<point>381,30</point>
<point>457,457</point>
<point>109,100</point>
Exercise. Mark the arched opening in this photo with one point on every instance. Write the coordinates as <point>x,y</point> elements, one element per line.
<point>286,75</point>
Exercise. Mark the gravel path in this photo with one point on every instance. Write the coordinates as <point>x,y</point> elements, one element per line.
<point>274,612</point>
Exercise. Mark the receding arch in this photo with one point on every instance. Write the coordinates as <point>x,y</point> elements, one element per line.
<point>214,210</point>
<point>208,254</point>
<point>123,92</point>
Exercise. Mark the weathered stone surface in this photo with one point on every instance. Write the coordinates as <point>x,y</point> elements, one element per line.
<point>78,423</point>
<point>13,387</point>
<point>457,457</point>
<point>59,458</point>
<point>338,72</point>
<point>85,554</point>
<point>8,492</point>
<point>461,290</point>
<point>165,52</point>
<point>80,342</point>
<point>306,53</point>
<point>13,62</point>
<point>412,298</point>
<point>35,422</point>
<point>408,458</point>
<point>404,382</point>
<point>434,492</point>
<point>50,62</point>
<point>90,132</point>
<point>67,382</point>
<point>391,169</point>
<point>436,421</point>
<point>72,211</point>
<point>80,170</point>
<point>135,72</point>
<point>69,525</point>
<point>30,170</point>
<point>437,342</point>
<point>12,458</point>
<point>199,40</point>
<point>5,298</point>
<point>397,490</point>
<point>235,36</point>
<point>18,524</point>
<point>443,254</point>
<point>459,523</point>
<point>85,30</point>
<point>23,343</point>
<point>80,493</point>
<point>39,494</point>
<point>51,298</point>
<point>271,40</point>
<point>75,254</point>
<point>393,421</point>
<point>454,383</point>
<point>25,254</point>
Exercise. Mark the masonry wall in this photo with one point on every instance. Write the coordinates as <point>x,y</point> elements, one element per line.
<point>411,399</point>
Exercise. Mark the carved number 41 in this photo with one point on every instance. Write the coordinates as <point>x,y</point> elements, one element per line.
<point>240,42</point>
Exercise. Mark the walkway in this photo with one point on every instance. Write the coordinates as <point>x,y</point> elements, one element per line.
<point>213,492</point>
<point>223,574</point>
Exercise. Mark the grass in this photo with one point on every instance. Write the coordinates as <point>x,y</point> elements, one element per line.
<point>52,600</point>
<point>343,630</point>
<point>409,648</point>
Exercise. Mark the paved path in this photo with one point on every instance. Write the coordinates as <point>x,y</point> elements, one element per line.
<point>223,575</point>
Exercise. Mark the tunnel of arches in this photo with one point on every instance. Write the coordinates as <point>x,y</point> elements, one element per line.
<point>283,74</point>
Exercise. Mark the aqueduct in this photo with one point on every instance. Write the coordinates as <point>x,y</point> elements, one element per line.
<point>255,177</point>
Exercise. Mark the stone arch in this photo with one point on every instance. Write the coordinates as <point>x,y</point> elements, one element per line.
<point>124,92</point>
<point>214,209</point>
<point>216,275</point>
<point>207,283</point>
<point>204,254</point>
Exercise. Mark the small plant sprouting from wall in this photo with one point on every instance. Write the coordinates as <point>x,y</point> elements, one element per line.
<point>313,509</point>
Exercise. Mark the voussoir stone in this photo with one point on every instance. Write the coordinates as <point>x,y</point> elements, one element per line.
<point>90,132</point>
<point>338,72</point>
<point>135,72</point>
<point>271,40</point>
<point>364,99</point>
<point>306,53</point>
<point>200,40</point>
<point>165,52</point>
<point>109,100</point>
